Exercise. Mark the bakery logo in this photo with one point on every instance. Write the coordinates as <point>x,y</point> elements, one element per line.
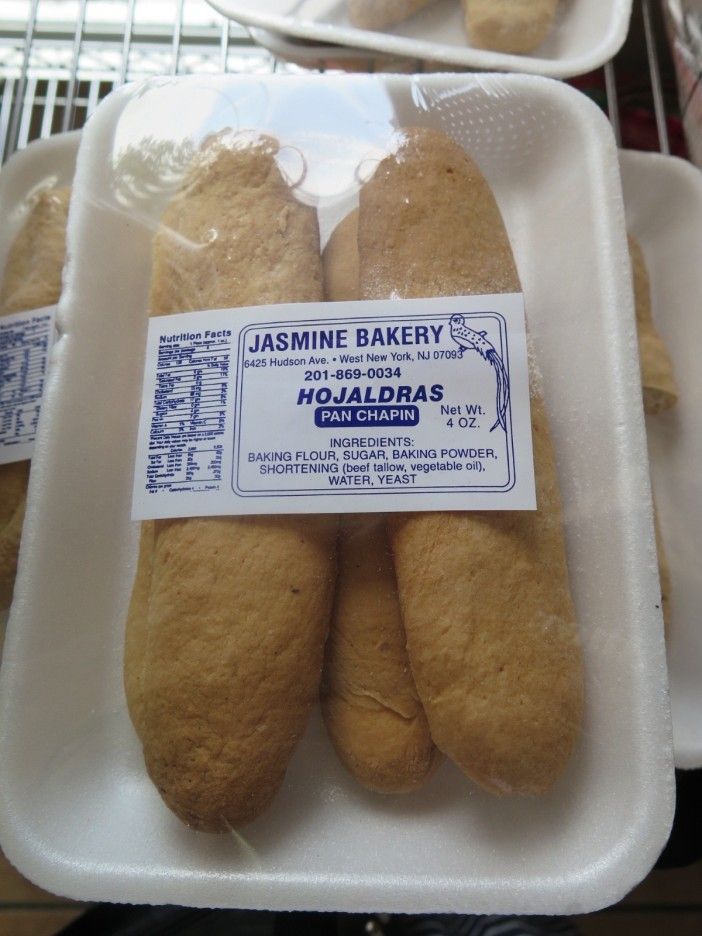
<point>468,339</point>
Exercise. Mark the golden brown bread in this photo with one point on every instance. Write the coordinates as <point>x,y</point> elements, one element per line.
<point>340,261</point>
<point>226,630</point>
<point>137,624</point>
<point>491,634</point>
<point>34,265</point>
<point>370,704</point>
<point>485,598</point>
<point>659,388</point>
<point>238,613</point>
<point>32,280</point>
<point>235,235</point>
<point>379,14</point>
<point>369,701</point>
<point>511,26</point>
<point>416,207</point>
<point>15,474</point>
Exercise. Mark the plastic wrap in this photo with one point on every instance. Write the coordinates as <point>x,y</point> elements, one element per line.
<point>557,38</point>
<point>157,163</point>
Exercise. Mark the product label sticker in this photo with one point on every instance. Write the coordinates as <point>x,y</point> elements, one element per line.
<point>417,404</point>
<point>25,343</point>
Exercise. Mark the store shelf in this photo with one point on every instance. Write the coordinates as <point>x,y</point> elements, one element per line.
<point>59,58</point>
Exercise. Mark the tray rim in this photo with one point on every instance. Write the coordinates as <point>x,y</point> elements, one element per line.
<point>688,755</point>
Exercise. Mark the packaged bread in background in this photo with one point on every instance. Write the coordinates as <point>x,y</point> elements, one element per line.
<point>683,19</point>
<point>31,280</point>
<point>515,27</point>
<point>511,27</point>
<point>658,380</point>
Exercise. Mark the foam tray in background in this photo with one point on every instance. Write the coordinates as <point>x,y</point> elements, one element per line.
<point>663,199</point>
<point>587,33</point>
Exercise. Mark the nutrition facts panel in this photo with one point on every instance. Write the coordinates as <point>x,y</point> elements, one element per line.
<point>189,412</point>
<point>25,342</point>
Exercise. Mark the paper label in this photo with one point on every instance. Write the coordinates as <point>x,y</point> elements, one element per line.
<point>25,343</point>
<point>344,407</point>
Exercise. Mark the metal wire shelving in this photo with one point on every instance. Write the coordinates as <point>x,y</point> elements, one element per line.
<point>59,58</point>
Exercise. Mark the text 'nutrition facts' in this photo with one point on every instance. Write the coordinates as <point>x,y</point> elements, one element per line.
<point>189,414</point>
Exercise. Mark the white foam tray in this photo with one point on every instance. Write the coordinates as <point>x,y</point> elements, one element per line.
<point>587,33</point>
<point>43,162</point>
<point>77,812</point>
<point>307,53</point>
<point>663,197</point>
<point>311,54</point>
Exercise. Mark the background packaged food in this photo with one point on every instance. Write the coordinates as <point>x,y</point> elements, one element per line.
<point>663,199</point>
<point>684,22</point>
<point>104,833</point>
<point>584,35</point>
<point>27,187</point>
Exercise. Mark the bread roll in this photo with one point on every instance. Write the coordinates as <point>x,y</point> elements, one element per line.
<point>226,629</point>
<point>369,701</point>
<point>486,604</point>
<point>137,624</point>
<point>659,388</point>
<point>515,27</point>
<point>32,280</point>
<point>34,266</point>
<point>379,14</point>
<point>340,261</point>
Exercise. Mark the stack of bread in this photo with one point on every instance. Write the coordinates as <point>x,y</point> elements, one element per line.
<point>425,634</point>
<point>446,633</point>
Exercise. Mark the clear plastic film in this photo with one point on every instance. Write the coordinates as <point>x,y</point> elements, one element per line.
<point>558,38</point>
<point>228,192</point>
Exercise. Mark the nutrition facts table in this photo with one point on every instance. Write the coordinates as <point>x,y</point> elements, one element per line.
<point>25,342</point>
<point>189,412</point>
